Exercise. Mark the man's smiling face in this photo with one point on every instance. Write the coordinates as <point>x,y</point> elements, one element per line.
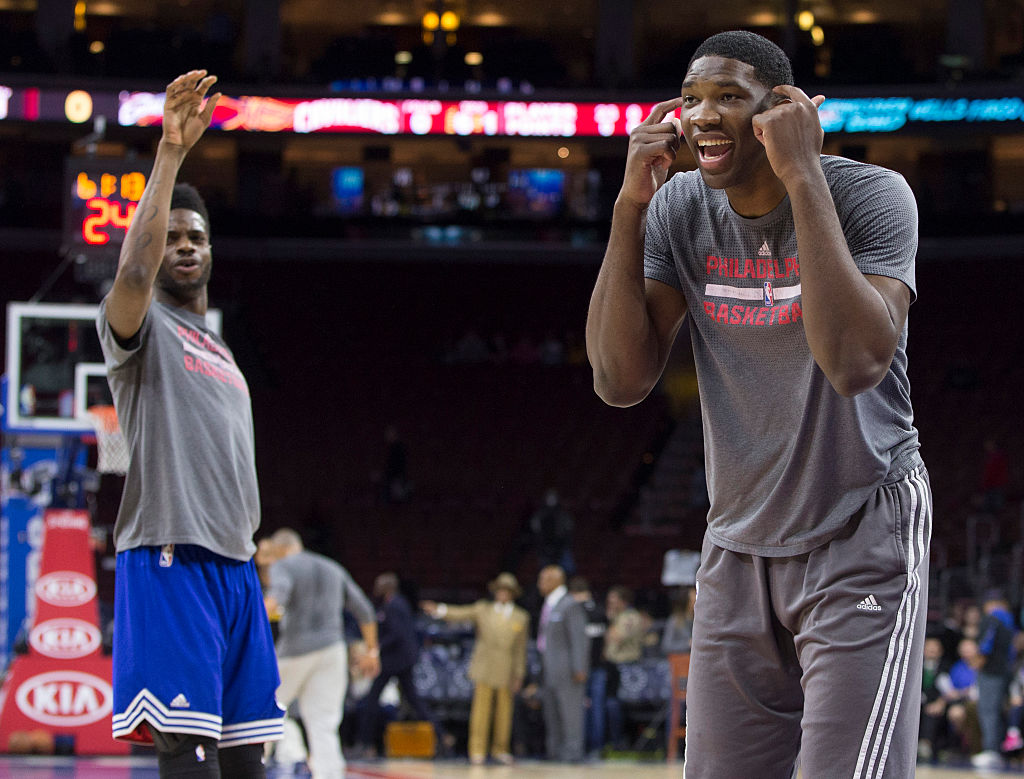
<point>721,96</point>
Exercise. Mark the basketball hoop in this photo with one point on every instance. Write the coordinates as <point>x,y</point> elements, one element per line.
<point>110,443</point>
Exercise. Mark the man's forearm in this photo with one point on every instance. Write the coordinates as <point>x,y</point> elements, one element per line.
<point>142,251</point>
<point>621,343</point>
<point>849,327</point>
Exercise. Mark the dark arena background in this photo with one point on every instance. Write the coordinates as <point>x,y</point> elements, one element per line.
<point>409,202</point>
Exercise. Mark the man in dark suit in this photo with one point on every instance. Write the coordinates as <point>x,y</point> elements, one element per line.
<point>564,650</point>
<point>399,650</point>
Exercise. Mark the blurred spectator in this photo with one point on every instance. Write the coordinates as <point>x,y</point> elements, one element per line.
<point>498,665</point>
<point>552,529</point>
<point>950,632</point>
<point>652,628</point>
<point>970,621</point>
<point>356,701</point>
<point>1014,741</point>
<point>399,651</point>
<point>995,475</point>
<point>679,625</point>
<point>597,625</point>
<point>959,688</point>
<point>933,705</point>
<point>310,592</point>
<point>623,643</point>
<point>562,643</point>
<point>528,721</point>
<point>994,663</point>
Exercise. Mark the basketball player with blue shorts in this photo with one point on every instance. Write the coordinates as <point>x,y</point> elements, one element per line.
<point>793,272</point>
<point>194,665</point>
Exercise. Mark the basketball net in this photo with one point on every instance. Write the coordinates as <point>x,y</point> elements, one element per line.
<point>110,443</point>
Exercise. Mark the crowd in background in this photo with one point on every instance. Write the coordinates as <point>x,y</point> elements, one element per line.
<point>546,678</point>
<point>973,685</point>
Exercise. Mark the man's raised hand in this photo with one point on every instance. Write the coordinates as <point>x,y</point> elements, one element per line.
<point>186,117</point>
<point>791,131</point>
<point>653,145</point>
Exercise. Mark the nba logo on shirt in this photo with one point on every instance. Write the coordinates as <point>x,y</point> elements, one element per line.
<point>769,294</point>
<point>166,555</point>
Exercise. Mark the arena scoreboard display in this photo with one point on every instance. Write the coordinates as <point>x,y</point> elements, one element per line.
<point>100,198</point>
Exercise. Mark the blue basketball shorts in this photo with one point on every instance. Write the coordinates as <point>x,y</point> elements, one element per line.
<point>193,651</point>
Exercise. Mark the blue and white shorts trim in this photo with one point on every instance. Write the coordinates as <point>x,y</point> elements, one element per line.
<point>147,708</point>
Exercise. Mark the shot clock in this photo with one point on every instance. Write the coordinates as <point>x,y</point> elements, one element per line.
<point>101,195</point>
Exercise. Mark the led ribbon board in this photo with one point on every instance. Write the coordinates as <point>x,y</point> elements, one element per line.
<point>351,112</point>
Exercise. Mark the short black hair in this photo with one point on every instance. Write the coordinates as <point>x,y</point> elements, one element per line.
<point>770,63</point>
<point>188,197</point>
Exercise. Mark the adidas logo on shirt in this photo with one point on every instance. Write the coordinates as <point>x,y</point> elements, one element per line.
<point>764,251</point>
<point>180,701</point>
<point>869,604</point>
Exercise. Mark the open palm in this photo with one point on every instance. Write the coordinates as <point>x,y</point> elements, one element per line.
<point>185,116</point>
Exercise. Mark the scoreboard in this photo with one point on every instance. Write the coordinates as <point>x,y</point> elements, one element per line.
<point>100,198</point>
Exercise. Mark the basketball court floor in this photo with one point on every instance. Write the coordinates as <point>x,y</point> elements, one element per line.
<point>145,768</point>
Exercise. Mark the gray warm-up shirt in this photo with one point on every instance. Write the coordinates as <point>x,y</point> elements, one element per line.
<point>184,407</point>
<point>789,460</point>
<point>313,590</point>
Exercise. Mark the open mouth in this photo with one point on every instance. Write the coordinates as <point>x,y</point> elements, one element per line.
<point>715,149</point>
<point>187,265</point>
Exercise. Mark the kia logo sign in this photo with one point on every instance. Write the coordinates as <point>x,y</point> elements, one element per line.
<point>65,698</point>
<point>67,520</point>
<point>65,639</point>
<point>66,588</point>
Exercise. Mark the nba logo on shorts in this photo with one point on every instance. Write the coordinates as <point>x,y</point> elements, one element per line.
<point>769,294</point>
<point>166,555</point>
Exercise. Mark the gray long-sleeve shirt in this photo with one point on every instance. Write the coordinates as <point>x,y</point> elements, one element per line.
<point>312,591</point>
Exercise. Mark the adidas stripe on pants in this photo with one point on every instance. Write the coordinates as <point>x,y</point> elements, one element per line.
<point>814,659</point>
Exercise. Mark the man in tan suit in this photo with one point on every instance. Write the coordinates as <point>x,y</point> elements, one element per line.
<point>498,664</point>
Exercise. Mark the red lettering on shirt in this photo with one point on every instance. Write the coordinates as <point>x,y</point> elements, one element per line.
<point>753,316</point>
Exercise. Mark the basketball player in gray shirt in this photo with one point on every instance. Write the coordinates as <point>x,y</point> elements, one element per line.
<point>194,666</point>
<point>794,273</point>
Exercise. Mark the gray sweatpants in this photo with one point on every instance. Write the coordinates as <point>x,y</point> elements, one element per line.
<point>817,657</point>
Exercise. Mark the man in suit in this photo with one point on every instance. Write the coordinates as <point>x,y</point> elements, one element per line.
<point>497,667</point>
<point>399,650</point>
<point>565,658</point>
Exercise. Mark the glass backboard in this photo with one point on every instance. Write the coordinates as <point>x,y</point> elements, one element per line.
<point>55,369</point>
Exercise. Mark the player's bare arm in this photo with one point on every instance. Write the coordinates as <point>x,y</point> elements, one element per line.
<point>185,119</point>
<point>633,321</point>
<point>852,321</point>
